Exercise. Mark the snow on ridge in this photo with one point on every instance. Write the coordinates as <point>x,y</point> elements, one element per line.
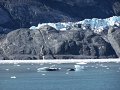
<point>57,26</point>
<point>98,25</point>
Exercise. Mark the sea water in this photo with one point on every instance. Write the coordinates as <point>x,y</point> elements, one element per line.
<point>92,76</point>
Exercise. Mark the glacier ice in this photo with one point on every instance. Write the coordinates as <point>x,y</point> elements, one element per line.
<point>98,25</point>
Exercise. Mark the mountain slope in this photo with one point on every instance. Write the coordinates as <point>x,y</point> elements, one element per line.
<point>25,13</point>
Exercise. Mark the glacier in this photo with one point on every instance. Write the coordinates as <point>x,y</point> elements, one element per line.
<point>95,24</point>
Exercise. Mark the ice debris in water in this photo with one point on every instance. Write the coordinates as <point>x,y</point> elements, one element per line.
<point>13,77</point>
<point>43,74</point>
<point>7,69</point>
<point>98,25</point>
<point>78,67</point>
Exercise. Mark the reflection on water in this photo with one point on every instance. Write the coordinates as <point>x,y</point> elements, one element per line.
<point>92,76</point>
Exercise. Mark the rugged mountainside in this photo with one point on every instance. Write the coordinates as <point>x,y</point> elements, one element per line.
<point>25,13</point>
<point>59,40</point>
<point>114,39</point>
<point>47,41</point>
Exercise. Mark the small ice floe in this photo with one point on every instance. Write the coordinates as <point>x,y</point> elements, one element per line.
<point>118,71</point>
<point>96,67</point>
<point>47,69</point>
<point>13,77</point>
<point>28,68</point>
<point>17,65</point>
<point>42,69</point>
<point>81,63</point>
<point>66,73</point>
<point>78,67</point>
<point>7,69</point>
<point>43,74</point>
<point>107,68</point>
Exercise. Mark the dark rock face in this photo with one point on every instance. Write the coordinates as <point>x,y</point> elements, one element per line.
<point>33,44</point>
<point>114,39</point>
<point>4,17</point>
<point>25,13</point>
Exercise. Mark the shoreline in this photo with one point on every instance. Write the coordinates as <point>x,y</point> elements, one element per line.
<point>59,61</point>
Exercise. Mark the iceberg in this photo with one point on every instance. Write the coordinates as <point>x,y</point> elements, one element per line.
<point>13,77</point>
<point>78,67</point>
<point>95,24</point>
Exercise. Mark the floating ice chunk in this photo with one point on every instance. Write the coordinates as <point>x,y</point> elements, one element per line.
<point>66,73</point>
<point>47,69</point>
<point>28,68</point>
<point>96,67</point>
<point>42,69</point>
<point>43,74</point>
<point>17,65</point>
<point>118,71</point>
<point>78,67</point>
<point>105,66</point>
<point>7,69</point>
<point>13,77</point>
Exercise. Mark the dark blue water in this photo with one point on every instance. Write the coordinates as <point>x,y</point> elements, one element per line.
<point>94,76</point>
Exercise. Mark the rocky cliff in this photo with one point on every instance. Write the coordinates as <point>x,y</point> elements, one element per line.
<point>54,44</point>
<point>114,39</point>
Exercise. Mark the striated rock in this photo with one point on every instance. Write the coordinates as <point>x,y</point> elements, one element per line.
<point>114,39</point>
<point>33,44</point>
